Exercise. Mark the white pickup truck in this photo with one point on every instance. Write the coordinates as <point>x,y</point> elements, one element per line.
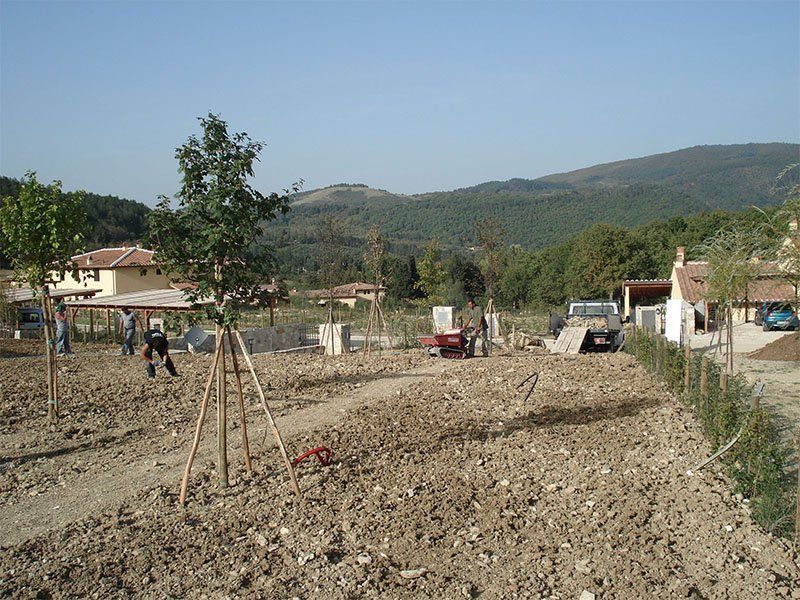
<point>601,317</point>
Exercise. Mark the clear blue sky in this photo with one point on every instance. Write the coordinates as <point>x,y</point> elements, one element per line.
<point>410,97</point>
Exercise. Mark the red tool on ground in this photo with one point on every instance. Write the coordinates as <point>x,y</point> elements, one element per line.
<point>450,344</point>
<point>322,453</point>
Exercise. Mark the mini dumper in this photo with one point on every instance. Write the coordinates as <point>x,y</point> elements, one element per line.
<point>450,344</point>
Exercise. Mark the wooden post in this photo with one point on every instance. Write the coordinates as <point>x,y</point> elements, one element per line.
<point>199,427</point>
<point>704,377</point>
<point>723,382</point>
<point>222,415</point>
<point>52,402</point>
<point>240,394</point>
<point>268,412</point>
<point>687,369</point>
<point>797,511</point>
<point>109,332</point>
<point>513,337</point>
<point>272,312</point>
<point>92,332</point>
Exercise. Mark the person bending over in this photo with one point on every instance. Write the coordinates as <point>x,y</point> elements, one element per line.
<point>156,340</point>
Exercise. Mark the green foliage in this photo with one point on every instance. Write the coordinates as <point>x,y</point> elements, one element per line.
<point>432,274</point>
<point>211,238</point>
<point>491,235</point>
<point>41,230</point>
<point>110,220</point>
<point>757,462</point>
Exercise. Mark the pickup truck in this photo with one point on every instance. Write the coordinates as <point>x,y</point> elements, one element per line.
<point>601,317</point>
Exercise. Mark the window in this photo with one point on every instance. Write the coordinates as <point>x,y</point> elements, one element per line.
<point>96,274</point>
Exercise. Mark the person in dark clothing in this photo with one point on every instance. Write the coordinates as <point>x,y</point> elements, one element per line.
<point>156,340</point>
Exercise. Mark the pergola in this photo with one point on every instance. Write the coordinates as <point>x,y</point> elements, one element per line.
<point>26,294</point>
<point>145,301</point>
<point>639,289</point>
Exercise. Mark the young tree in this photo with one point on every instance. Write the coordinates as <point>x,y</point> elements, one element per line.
<point>733,264</point>
<point>491,235</point>
<point>42,229</point>
<point>375,258</point>
<point>211,239</point>
<point>783,241</point>
<point>432,274</point>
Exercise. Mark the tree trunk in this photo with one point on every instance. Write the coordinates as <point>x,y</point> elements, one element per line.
<point>52,406</point>
<point>240,394</point>
<point>222,416</point>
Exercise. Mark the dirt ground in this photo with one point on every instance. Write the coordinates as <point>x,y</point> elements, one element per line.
<point>445,483</point>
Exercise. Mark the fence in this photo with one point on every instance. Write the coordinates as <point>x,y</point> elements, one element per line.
<point>725,407</point>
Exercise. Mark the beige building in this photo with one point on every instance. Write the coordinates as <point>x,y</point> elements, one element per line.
<point>115,271</point>
<point>689,284</point>
<point>349,293</point>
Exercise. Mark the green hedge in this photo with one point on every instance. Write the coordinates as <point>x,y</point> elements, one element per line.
<point>757,462</point>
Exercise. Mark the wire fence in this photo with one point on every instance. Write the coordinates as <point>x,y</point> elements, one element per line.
<point>727,407</point>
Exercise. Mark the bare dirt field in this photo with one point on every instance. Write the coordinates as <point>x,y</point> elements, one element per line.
<point>445,483</point>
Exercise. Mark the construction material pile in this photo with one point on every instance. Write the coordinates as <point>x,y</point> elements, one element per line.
<point>590,322</point>
<point>446,483</point>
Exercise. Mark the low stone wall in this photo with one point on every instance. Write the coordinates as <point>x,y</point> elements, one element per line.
<point>269,339</point>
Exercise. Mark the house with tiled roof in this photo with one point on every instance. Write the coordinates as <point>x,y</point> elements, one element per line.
<point>349,293</point>
<point>689,284</point>
<point>115,271</point>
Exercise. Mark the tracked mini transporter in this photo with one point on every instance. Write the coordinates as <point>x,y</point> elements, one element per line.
<point>450,344</point>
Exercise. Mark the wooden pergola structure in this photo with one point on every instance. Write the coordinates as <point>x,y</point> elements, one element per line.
<point>147,302</point>
<point>25,295</point>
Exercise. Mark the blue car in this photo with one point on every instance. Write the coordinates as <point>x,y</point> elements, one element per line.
<point>776,315</point>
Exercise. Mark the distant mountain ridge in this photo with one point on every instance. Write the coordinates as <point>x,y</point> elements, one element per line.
<point>537,213</point>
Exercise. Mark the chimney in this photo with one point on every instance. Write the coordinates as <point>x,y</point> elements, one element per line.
<point>89,261</point>
<point>680,256</point>
<point>139,244</point>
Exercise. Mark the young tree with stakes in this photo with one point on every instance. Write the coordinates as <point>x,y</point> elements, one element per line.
<point>42,230</point>
<point>734,263</point>
<point>491,235</point>
<point>331,233</point>
<point>211,239</point>
<point>374,257</point>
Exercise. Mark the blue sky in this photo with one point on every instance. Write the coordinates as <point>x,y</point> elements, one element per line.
<point>405,96</point>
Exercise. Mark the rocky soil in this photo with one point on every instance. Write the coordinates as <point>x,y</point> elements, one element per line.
<point>450,484</point>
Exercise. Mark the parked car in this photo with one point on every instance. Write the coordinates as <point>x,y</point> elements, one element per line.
<point>776,315</point>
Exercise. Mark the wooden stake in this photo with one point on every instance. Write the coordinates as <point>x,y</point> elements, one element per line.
<point>723,382</point>
<point>270,418</point>
<point>797,511</point>
<point>109,333</point>
<point>222,416</point>
<point>704,377</point>
<point>240,393</point>
<point>687,369</point>
<point>52,403</point>
<point>385,325</point>
<point>200,418</point>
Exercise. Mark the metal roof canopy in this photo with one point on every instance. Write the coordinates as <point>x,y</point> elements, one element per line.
<point>18,295</point>
<point>160,299</point>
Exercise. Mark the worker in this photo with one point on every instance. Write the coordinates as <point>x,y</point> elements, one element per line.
<point>476,318</point>
<point>127,328</point>
<point>156,340</point>
<point>62,330</point>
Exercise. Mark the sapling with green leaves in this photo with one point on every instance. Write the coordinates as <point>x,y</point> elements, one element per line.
<point>734,262</point>
<point>210,236</point>
<point>41,230</point>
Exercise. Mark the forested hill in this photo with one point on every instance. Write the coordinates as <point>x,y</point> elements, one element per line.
<point>112,220</point>
<point>543,212</point>
<point>720,176</point>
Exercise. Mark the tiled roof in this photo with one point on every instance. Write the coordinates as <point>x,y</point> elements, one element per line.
<point>691,279</point>
<point>111,258</point>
